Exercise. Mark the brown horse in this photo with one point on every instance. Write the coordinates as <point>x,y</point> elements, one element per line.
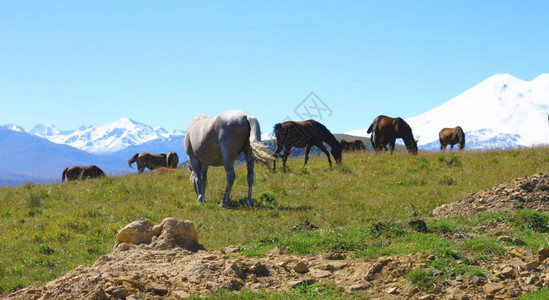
<point>451,136</point>
<point>148,160</point>
<point>82,172</point>
<point>172,160</point>
<point>92,171</point>
<point>304,134</point>
<point>352,145</point>
<point>385,130</point>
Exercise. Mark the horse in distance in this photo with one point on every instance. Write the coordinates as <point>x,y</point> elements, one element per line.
<point>148,160</point>
<point>71,173</point>
<point>305,134</point>
<point>91,171</point>
<point>81,173</point>
<point>451,136</point>
<point>385,130</point>
<point>219,141</point>
<point>352,145</point>
<point>172,160</point>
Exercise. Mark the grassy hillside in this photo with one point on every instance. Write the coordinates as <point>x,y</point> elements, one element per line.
<point>47,230</point>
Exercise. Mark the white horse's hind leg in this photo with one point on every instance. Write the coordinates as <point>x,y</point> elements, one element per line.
<point>229,170</point>
<point>197,177</point>
<point>250,165</point>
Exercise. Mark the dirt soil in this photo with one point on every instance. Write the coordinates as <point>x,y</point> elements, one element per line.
<point>156,271</point>
<point>522,193</point>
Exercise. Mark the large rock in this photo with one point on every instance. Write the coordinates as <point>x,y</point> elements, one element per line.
<point>177,233</point>
<point>168,234</point>
<point>138,232</point>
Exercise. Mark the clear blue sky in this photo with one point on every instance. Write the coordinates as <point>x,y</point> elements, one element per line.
<point>73,63</point>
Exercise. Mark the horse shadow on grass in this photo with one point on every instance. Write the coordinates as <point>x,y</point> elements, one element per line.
<point>242,204</point>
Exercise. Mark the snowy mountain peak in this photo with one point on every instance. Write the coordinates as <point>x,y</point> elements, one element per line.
<point>499,112</point>
<point>109,138</point>
<point>13,127</point>
<point>43,130</point>
<point>127,123</point>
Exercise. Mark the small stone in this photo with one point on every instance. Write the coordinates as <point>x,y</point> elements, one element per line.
<point>493,287</point>
<point>235,268</point>
<point>531,265</point>
<point>101,295</point>
<point>476,279</point>
<point>278,251</point>
<point>320,273</point>
<point>259,269</point>
<point>296,283</point>
<point>359,286</point>
<point>507,272</point>
<point>301,267</point>
<point>517,252</point>
<point>156,288</point>
<point>532,280</point>
<point>337,265</point>
<point>179,294</point>
<point>392,290</point>
<point>435,272</point>
<point>543,254</point>
<point>230,249</point>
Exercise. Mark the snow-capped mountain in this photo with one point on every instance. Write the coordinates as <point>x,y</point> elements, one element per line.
<point>40,153</point>
<point>106,139</point>
<point>500,112</point>
<point>29,158</point>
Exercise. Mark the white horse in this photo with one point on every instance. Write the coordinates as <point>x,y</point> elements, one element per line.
<point>218,141</point>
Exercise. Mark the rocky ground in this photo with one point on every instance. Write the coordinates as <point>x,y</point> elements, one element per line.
<point>165,261</point>
<point>522,193</point>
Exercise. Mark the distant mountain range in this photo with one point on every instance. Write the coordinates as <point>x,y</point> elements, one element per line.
<point>40,153</point>
<point>500,112</point>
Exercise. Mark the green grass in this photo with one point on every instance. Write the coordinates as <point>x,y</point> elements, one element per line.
<point>542,294</point>
<point>362,208</point>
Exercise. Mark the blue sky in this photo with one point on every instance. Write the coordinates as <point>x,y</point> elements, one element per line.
<point>73,63</point>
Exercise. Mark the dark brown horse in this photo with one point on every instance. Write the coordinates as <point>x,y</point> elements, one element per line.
<point>352,145</point>
<point>304,134</point>
<point>451,136</point>
<point>385,130</point>
<point>82,173</point>
<point>92,171</point>
<point>149,161</point>
<point>172,160</point>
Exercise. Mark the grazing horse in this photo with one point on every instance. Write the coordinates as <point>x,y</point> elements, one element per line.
<point>82,172</point>
<point>148,160</point>
<point>172,160</point>
<point>352,145</point>
<point>304,134</point>
<point>219,141</point>
<point>92,171</point>
<point>451,136</point>
<point>385,130</point>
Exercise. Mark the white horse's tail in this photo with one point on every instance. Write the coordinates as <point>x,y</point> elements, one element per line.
<point>259,151</point>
